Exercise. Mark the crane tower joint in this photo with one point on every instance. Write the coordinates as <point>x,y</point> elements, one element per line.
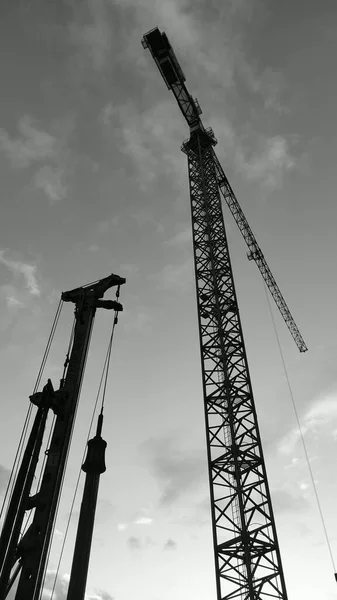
<point>206,137</point>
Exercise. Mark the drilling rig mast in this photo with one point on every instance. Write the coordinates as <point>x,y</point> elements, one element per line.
<point>28,557</point>
<point>247,556</point>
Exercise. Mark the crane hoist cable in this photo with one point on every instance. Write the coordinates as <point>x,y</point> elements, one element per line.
<point>108,356</point>
<point>300,429</point>
<point>24,431</point>
<point>49,343</point>
<point>71,339</point>
<point>103,382</point>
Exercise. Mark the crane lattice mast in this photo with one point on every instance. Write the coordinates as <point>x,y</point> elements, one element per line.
<point>247,555</point>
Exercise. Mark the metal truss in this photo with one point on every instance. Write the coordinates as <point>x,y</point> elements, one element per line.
<point>247,556</point>
<point>173,75</point>
<point>255,253</point>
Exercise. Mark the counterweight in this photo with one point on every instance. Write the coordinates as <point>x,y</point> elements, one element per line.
<point>247,555</point>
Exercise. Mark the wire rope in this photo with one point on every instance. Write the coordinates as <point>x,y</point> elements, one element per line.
<point>51,430</point>
<point>52,426</point>
<point>49,343</point>
<point>107,360</point>
<point>302,436</point>
<point>18,454</point>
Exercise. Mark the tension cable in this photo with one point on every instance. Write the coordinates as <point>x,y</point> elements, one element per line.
<point>17,458</point>
<point>314,486</point>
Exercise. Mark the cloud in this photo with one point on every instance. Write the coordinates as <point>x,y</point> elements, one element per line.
<point>105,510</point>
<point>4,477</point>
<point>140,319</point>
<point>151,136</point>
<point>170,544</point>
<point>93,248</point>
<point>268,84</point>
<point>144,521</point>
<point>33,145</point>
<point>58,533</point>
<point>256,156</point>
<point>181,238</point>
<point>151,139</point>
<point>137,543</point>
<point>190,29</point>
<point>260,158</point>
<point>91,33</point>
<point>56,587</point>
<point>177,472</point>
<point>134,543</point>
<point>56,584</point>
<point>18,297</point>
<point>322,411</point>
<point>107,113</point>
<point>25,270</point>
<point>130,126</point>
<point>144,216</point>
<point>107,225</point>
<point>175,277</point>
<point>128,269</point>
<point>100,595</point>
<point>142,518</point>
<point>284,501</point>
<point>49,179</point>
<point>322,414</point>
<point>11,297</point>
<point>197,513</point>
<point>269,165</point>
<point>14,300</point>
<point>97,24</point>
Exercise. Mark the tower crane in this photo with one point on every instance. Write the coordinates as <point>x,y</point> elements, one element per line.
<point>247,555</point>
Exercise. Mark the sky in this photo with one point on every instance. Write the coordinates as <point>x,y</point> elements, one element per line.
<point>92,182</point>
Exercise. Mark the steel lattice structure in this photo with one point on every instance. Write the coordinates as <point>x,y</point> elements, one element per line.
<point>174,78</point>
<point>248,562</point>
<point>255,253</point>
<point>247,556</point>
